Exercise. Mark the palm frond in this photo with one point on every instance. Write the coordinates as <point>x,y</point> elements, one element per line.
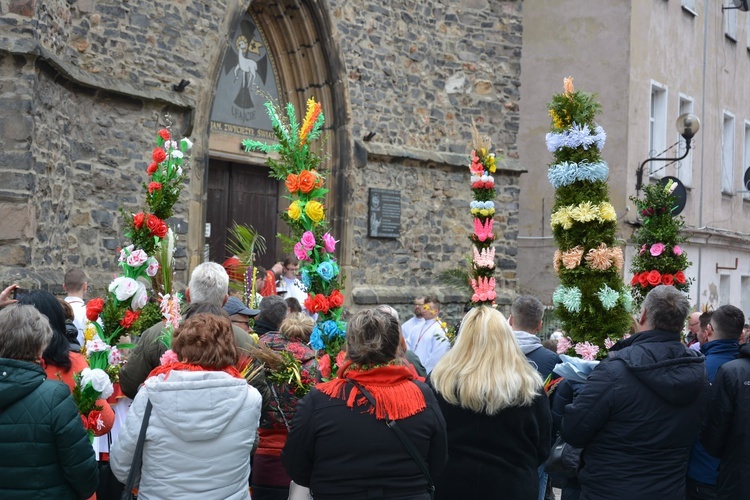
<point>457,277</point>
<point>245,242</point>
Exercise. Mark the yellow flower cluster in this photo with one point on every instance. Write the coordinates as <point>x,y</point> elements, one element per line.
<point>584,212</point>
<point>600,258</point>
<point>88,334</point>
<point>313,209</point>
<point>556,120</point>
<point>486,212</point>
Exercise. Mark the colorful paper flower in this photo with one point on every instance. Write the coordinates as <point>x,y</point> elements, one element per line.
<point>314,210</point>
<point>308,240</point>
<point>294,211</point>
<point>329,243</point>
<point>656,249</point>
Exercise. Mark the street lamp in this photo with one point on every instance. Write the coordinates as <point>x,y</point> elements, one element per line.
<point>687,126</point>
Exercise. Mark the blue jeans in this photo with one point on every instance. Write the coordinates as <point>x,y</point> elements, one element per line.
<point>542,482</point>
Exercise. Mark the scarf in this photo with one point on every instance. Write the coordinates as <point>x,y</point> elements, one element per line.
<point>179,365</point>
<point>396,395</point>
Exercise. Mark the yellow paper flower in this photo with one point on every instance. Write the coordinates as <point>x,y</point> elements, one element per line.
<point>89,332</point>
<point>556,121</point>
<point>313,111</point>
<point>572,258</point>
<point>314,210</point>
<point>599,258</point>
<point>556,261</point>
<point>485,212</point>
<point>607,212</point>
<point>561,218</point>
<point>585,212</point>
<point>294,211</point>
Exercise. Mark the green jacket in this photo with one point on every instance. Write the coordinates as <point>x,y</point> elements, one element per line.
<point>44,450</point>
<point>147,355</point>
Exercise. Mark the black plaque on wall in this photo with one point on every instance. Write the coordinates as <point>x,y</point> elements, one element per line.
<point>384,213</point>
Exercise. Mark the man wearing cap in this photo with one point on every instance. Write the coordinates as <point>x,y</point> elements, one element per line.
<point>208,287</point>
<point>239,313</point>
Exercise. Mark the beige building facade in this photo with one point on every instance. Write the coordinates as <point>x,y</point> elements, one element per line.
<point>650,61</point>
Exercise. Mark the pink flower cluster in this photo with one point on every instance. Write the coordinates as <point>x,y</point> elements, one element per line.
<point>485,258</point>
<point>476,167</point>
<point>586,350</point>
<point>483,231</point>
<point>484,289</point>
<point>658,248</point>
<point>304,247</point>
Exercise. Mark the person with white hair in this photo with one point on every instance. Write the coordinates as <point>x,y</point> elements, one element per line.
<point>208,286</point>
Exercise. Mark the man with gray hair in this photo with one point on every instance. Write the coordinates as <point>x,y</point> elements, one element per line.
<point>273,310</point>
<point>640,410</point>
<point>208,285</point>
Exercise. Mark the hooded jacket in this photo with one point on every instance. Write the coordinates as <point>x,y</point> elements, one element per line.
<point>542,358</point>
<point>44,449</point>
<point>637,418</point>
<point>725,432</point>
<point>198,440</point>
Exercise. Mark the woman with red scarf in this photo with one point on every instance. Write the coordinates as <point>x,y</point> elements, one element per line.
<point>341,446</point>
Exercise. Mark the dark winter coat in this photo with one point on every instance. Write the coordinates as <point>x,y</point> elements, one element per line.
<point>495,456</point>
<point>637,418</point>
<point>702,467</point>
<point>725,431</point>
<point>342,453</point>
<point>541,358</point>
<point>45,452</point>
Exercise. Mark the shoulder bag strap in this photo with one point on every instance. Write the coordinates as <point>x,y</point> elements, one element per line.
<point>408,444</point>
<point>135,466</point>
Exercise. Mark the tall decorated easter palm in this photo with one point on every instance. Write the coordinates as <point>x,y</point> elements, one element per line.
<point>591,299</point>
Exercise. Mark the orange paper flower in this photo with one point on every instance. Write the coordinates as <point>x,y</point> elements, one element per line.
<point>307,180</point>
<point>572,258</point>
<point>599,258</point>
<point>292,183</point>
<point>313,111</point>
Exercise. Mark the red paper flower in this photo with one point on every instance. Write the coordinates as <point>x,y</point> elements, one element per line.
<point>157,226</point>
<point>324,365</point>
<point>152,168</point>
<point>164,134</point>
<point>94,421</point>
<point>139,219</point>
<point>153,186</point>
<point>335,299</point>
<point>340,359</point>
<point>94,308</point>
<point>679,277</point>
<point>321,303</point>
<point>643,279</point>
<point>654,278</point>
<point>129,319</point>
<point>634,281</point>
<point>159,155</point>
<point>667,279</point>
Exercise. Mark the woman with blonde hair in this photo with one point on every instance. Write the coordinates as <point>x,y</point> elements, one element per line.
<point>496,412</point>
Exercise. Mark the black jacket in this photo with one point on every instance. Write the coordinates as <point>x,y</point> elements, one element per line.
<point>637,417</point>
<point>341,453</point>
<point>725,432</point>
<point>495,456</point>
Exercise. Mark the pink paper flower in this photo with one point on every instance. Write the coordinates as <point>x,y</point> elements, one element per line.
<point>329,243</point>
<point>563,344</point>
<point>657,249</point>
<point>587,351</point>
<point>168,357</point>
<point>308,240</point>
<point>608,343</point>
<point>677,250</point>
<point>483,231</point>
<point>299,251</point>
<point>643,249</point>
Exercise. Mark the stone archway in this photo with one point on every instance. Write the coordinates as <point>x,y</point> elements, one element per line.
<point>299,33</point>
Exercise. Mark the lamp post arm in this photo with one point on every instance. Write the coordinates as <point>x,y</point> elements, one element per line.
<point>639,172</point>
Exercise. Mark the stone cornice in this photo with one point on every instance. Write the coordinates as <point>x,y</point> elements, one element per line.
<point>391,152</point>
<point>22,45</point>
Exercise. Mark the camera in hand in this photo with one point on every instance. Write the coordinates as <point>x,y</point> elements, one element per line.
<point>19,292</point>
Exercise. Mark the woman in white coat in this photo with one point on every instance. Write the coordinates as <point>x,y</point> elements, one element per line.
<point>203,422</point>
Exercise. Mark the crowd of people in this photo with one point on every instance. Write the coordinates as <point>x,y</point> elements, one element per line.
<point>410,414</point>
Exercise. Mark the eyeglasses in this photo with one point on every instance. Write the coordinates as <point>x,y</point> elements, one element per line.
<point>292,268</point>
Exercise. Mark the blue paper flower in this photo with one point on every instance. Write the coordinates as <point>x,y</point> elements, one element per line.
<point>305,278</point>
<point>330,329</point>
<point>316,339</point>
<point>627,300</point>
<point>608,297</point>
<point>564,174</point>
<point>326,271</point>
<point>576,136</point>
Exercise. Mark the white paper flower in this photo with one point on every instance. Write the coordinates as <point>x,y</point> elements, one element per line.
<point>123,287</point>
<point>153,267</point>
<point>96,345</point>
<point>136,258</point>
<point>170,145</point>
<point>99,381</point>
<point>115,357</point>
<point>186,142</point>
<point>176,153</point>
<point>140,297</point>
<point>125,252</point>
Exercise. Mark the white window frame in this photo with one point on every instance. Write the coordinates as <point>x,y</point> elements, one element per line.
<point>727,153</point>
<point>746,159</point>
<point>689,6</point>
<point>684,167</point>
<point>657,129</point>
<point>730,24</point>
